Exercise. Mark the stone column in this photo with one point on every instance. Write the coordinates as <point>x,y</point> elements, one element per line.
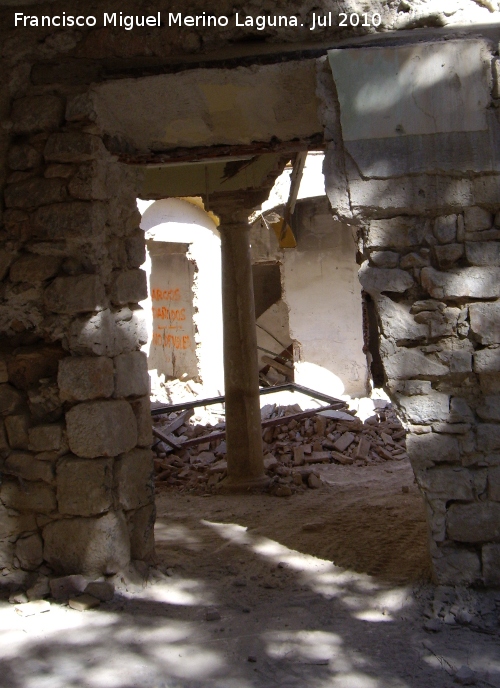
<point>245,466</point>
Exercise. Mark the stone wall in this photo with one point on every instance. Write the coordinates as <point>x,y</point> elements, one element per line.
<point>76,489</point>
<point>429,247</point>
<point>75,431</point>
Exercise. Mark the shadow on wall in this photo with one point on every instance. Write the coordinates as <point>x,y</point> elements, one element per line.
<point>424,190</point>
<point>178,222</point>
<point>410,116</point>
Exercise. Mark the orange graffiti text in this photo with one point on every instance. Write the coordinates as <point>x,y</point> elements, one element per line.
<point>166,294</point>
<point>171,341</point>
<point>169,313</point>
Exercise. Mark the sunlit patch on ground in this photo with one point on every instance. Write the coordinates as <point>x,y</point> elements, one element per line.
<point>285,617</point>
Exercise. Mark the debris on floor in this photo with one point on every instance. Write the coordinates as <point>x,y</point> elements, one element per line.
<point>190,456</point>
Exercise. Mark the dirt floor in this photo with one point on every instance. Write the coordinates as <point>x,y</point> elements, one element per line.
<point>325,589</point>
<point>360,519</point>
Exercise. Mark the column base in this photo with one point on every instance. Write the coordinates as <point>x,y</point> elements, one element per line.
<point>229,485</point>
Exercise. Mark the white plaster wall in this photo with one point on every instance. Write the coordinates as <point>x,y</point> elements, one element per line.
<point>175,220</point>
<point>172,345</point>
<point>273,331</point>
<point>323,294</point>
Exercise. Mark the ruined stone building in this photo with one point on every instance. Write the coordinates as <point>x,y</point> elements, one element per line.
<point>403,101</point>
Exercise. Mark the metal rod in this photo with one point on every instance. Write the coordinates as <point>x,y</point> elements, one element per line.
<point>287,387</point>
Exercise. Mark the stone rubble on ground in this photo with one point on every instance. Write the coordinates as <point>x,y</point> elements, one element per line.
<point>450,606</point>
<point>291,449</point>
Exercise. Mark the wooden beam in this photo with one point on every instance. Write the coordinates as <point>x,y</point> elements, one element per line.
<point>212,153</point>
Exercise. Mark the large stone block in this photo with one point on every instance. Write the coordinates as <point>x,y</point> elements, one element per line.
<point>398,232</point>
<point>454,566</point>
<point>136,249</point>
<point>34,269</point>
<point>36,113</point>
<point>410,363</point>
<point>426,409</point>
<point>34,192</point>
<point>487,361</point>
<point>101,428</point>
<point>13,522</point>
<point>457,361</point>
<point>485,322</point>
<point>486,189</point>
<point>94,334</point>
<point>490,383</point>
<point>72,295</point>
<point>80,107</point>
<point>89,183</point>
<point>128,286</point>
<point>490,408</point>
<point>483,253</point>
<point>84,486</point>
<point>44,402</point>
<point>29,551</point>
<point>17,431</point>
<point>74,146</point>
<point>415,260</point>
<point>91,546</point>
<point>494,483</point>
<point>142,412</point>
<point>449,483</point>
<point>141,528</point>
<point>131,374</point>
<point>430,448</point>
<point>414,195</point>
<point>31,496</point>
<point>448,255</point>
<point>477,219</point>
<point>478,283</point>
<point>85,378</point>
<point>384,259</point>
<point>29,365</point>
<point>131,332</point>
<point>23,157</point>
<point>108,334</point>
<point>475,522</point>
<point>460,411</point>
<point>491,564</point>
<point>45,437</point>
<point>134,479</point>
<point>488,437</point>
<point>10,399</point>
<point>397,322</point>
<point>76,220</point>
<point>378,280</point>
<point>27,467</point>
<point>445,229</point>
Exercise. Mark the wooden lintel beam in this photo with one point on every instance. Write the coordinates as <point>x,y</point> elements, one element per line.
<point>212,153</point>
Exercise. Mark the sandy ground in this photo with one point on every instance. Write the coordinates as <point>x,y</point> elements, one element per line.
<point>322,590</point>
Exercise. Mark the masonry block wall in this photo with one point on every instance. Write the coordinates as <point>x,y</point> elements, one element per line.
<point>429,248</point>
<point>75,431</point>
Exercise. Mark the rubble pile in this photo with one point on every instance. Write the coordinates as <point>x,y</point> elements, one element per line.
<point>193,459</point>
